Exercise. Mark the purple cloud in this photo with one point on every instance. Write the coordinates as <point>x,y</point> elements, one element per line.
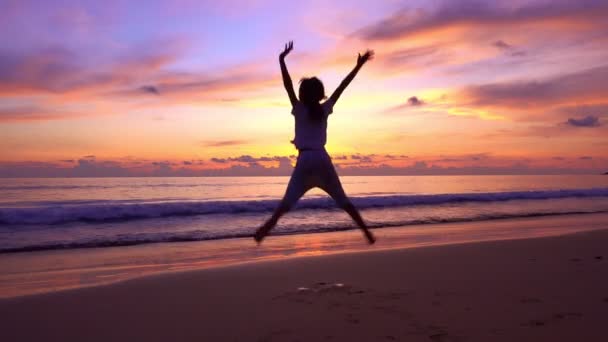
<point>245,159</point>
<point>508,48</point>
<point>150,90</point>
<point>251,160</point>
<point>414,101</point>
<point>590,83</point>
<point>409,21</point>
<point>91,167</point>
<point>248,159</point>
<point>417,57</point>
<point>502,45</point>
<point>60,70</point>
<point>588,121</point>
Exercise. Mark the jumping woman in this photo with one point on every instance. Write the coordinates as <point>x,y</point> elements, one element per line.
<point>313,167</point>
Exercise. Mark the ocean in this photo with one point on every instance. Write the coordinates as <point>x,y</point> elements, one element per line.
<point>66,213</point>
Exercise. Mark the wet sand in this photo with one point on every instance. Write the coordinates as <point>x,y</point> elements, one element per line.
<point>550,288</point>
<point>28,273</point>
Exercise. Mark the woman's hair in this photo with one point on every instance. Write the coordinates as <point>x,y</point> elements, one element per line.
<point>311,93</point>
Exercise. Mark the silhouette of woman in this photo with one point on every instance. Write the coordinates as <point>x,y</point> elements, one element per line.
<point>313,167</point>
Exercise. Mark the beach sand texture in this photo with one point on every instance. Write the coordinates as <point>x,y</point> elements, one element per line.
<point>543,289</point>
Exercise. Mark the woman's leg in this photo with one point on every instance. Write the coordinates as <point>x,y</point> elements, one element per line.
<point>332,185</point>
<point>296,188</point>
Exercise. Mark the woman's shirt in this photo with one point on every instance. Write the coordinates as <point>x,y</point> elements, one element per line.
<point>310,134</point>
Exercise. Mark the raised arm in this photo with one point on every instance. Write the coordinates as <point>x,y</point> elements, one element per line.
<point>368,55</point>
<point>286,78</point>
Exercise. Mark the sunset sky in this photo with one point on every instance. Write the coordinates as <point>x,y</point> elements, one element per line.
<point>117,88</point>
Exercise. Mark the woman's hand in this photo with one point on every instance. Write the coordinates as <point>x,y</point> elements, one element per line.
<point>288,48</point>
<point>367,56</point>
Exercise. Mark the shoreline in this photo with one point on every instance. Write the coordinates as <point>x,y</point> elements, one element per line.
<point>94,245</point>
<point>32,273</point>
<point>549,288</point>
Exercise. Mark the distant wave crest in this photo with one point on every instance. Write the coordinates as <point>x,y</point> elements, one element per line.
<point>116,211</point>
<point>201,235</point>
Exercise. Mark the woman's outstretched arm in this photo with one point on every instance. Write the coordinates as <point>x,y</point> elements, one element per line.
<point>286,78</point>
<point>368,55</point>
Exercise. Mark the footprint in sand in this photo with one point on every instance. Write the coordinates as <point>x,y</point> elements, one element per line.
<point>321,287</point>
<point>307,294</point>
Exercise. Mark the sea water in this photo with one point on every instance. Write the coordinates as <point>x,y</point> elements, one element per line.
<point>65,213</point>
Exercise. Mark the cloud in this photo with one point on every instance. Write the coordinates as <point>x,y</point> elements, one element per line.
<point>183,87</point>
<point>586,85</point>
<point>588,121</point>
<point>414,101</point>
<point>596,109</point>
<point>362,158</point>
<point>248,159</point>
<point>50,69</point>
<point>246,165</point>
<point>221,143</point>
<point>150,90</point>
<point>508,48</point>
<point>90,167</point>
<point>502,45</point>
<point>34,113</point>
<point>65,79</point>
<point>245,159</point>
<point>373,158</point>
<point>412,59</point>
<point>408,21</point>
<point>59,70</point>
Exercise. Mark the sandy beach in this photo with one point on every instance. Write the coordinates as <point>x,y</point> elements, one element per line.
<point>539,289</point>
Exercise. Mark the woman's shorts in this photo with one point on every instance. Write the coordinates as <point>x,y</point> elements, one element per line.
<point>314,169</point>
